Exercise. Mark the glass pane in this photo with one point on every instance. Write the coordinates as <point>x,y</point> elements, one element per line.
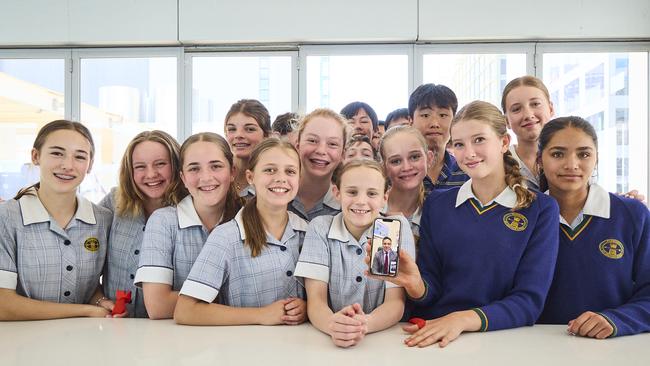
<point>31,95</point>
<point>121,97</point>
<point>474,76</point>
<point>218,82</point>
<point>379,80</point>
<point>610,90</point>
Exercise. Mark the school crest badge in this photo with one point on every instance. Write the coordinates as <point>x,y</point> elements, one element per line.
<point>515,221</point>
<point>612,248</point>
<point>91,244</point>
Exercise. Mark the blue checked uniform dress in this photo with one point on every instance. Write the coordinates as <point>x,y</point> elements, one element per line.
<point>42,261</point>
<point>122,257</point>
<point>172,241</point>
<point>332,255</point>
<point>326,206</point>
<point>226,271</point>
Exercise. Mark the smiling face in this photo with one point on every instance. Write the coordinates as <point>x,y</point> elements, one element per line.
<point>527,111</point>
<point>243,134</point>
<point>405,161</point>
<point>433,123</point>
<point>478,149</point>
<point>152,169</point>
<point>64,160</point>
<point>206,173</point>
<point>568,160</point>
<point>276,177</point>
<point>361,194</point>
<point>321,146</point>
<point>386,244</point>
<point>361,124</point>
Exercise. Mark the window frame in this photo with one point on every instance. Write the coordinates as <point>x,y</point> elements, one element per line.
<point>526,48</point>
<point>141,52</point>
<point>198,52</point>
<point>64,54</point>
<point>351,50</point>
<point>543,48</point>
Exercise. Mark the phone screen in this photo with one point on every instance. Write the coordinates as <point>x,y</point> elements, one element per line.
<point>384,258</point>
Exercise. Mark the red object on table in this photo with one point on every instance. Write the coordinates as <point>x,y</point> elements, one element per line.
<point>419,322</point>
<point>121,298</point>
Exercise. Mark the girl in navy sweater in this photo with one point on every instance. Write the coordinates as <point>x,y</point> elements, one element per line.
<point>487,249</point>
<point>601,286</point>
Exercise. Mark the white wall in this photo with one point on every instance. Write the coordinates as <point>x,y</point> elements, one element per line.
<point>253,21</point>
<point>88,22</point>
<point>173,22</point>
<point>533,19</point>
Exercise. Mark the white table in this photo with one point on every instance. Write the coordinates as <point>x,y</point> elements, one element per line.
<point>148,342</point>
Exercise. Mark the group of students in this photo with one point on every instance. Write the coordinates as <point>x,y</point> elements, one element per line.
<point>253,229</point>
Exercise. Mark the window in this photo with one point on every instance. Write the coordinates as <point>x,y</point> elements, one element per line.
<point>380,79</point>
<point>218,81</point>
<point>611,91</point>
<point>474,76</point>
<point>31,95</point>
<point>571,96</point>
<point>121,97</point>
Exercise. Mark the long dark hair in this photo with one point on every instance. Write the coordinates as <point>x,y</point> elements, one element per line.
<point>45,131</point>
<point>550,129</point>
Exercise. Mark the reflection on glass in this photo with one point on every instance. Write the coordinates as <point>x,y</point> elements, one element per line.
<point>218,82</point>
<point>31,95</point>
<point>610,90</point>
<point>474,76</point>
<point>121,97</point>
<point>379,80</point>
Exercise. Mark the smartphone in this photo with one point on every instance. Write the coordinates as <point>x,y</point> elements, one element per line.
<point>384,249</point>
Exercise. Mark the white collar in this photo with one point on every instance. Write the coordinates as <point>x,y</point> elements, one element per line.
<point>295,223</point>
<point>507,197</point>
<point>248,191</point>
<point>187,215</point>
<point>330,201</point>
<point>34,212</point>
<point>339,232</point>
<point>417,215</point>
<point>597,203</point>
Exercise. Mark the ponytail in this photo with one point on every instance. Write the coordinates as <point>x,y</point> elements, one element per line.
<point>253,227</point>
<point>27,191</point>
<point>516,182</point>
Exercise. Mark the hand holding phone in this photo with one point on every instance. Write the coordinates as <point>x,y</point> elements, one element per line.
<point>384,248</point>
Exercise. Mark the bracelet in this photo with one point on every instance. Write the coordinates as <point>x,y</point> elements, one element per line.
<point>100,300</point>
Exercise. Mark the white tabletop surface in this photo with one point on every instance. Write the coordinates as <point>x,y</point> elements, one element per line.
<point>148,342</point>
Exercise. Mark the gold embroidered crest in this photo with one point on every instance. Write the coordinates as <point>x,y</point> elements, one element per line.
<point>515,221</point>
<point>612,248</point>
<point>91,244</point>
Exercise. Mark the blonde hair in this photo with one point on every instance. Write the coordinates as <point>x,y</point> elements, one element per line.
<point>523,81</point>
<point>233,201</point>
<point>492,116</point>
<point>325,113</point>
<point>415,133</point>
<point>253,225</point>
<point>41,137</point>
<point>360,163</point>
<point>129,201</point>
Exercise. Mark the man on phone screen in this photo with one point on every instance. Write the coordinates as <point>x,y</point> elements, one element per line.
<point>384,258</point>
